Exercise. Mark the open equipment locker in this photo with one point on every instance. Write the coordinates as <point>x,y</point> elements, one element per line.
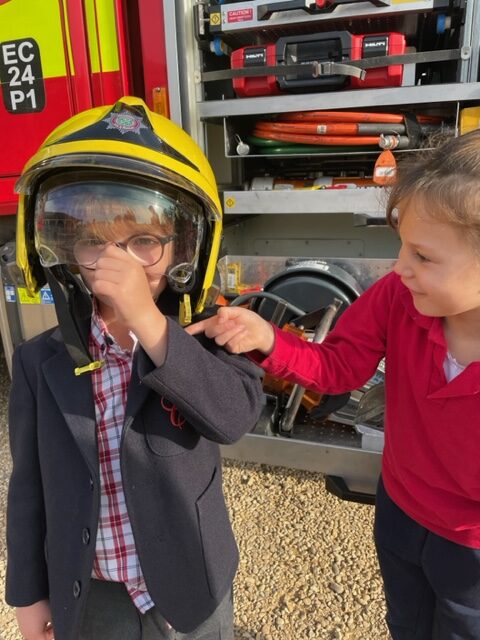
<point>343,225</point>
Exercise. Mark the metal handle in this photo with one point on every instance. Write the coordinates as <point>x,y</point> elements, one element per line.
<point>295,399</point>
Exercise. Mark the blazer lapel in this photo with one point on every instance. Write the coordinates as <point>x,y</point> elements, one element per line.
<point>74,396</point>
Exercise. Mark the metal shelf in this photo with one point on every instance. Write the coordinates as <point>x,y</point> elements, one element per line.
<point>368,201</point>
<point>361,98</point>
<point>247,16</point>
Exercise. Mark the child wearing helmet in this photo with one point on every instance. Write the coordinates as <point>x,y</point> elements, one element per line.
<point>116,522</point>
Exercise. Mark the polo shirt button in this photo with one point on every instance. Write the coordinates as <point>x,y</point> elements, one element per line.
<point>86,536</point>
<point>77,588</point>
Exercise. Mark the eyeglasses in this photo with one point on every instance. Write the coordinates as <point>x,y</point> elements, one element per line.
<point>146,249</point>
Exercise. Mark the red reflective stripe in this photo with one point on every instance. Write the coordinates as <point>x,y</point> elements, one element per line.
<point>32,128</point>
<point>8,199</point>
<point>81,84</point>
<point>122,47</point>
<point>63,22</point>
<point>107,86</point>
<point>154,57</point>
<point>100,99</point>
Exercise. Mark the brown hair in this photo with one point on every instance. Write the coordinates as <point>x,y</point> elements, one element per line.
<point>447,181</point>
<point>125,224</point>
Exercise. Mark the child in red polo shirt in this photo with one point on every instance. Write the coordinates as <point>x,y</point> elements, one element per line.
<point>424,318</point>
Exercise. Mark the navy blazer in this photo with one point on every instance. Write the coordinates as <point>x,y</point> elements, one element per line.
<point>171,477</point>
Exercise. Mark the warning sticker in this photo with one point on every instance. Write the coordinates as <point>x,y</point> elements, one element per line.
<point>240,15</point>
<point>10,295</point>
<point>46,296</point>
<point>25,298</point>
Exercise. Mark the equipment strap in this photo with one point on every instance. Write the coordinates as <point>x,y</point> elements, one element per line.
<point>355,68</point>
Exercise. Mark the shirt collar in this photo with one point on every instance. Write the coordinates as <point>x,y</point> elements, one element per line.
<point>468,382</point>
<point>103,339</point>
<point>432,324</point>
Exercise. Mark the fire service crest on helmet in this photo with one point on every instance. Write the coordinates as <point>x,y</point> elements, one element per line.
<point>125,122</point>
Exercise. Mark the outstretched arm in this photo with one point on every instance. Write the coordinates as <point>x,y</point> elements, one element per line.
<point>238,330</point>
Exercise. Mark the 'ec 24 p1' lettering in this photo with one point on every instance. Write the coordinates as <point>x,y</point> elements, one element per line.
<point>21,76</point>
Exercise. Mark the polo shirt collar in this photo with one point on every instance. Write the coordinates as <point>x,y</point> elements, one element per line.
<point>432,324</point>
<point>466,383</point>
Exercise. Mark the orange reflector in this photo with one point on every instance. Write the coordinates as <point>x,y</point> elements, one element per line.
<point>385,171</point>
<point>160,101</point>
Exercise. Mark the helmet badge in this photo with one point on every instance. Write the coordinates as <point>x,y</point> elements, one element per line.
<point>125,122</point>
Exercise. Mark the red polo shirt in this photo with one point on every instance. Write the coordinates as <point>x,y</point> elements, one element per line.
<point>431,460</point>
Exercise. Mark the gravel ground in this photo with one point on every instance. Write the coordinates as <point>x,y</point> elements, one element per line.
<point>307,570</point>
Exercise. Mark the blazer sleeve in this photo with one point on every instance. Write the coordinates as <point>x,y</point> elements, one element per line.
<point>219,394</point>
<point>26,579</point>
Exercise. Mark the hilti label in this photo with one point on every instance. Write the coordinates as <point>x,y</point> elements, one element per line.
<point>375,47</point>
<point>255,57</point>
<point>21,76</point>
<point>240,15</point>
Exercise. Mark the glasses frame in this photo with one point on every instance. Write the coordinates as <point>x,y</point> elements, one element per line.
<point>163,240</point>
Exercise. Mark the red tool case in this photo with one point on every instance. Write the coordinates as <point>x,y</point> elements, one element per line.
<point>336,46</point>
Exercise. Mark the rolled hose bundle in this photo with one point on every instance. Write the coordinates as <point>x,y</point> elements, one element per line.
<point>345,129</point>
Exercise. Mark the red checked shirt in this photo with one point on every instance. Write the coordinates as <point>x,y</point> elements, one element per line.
<point>431,460</point>
<point>116,558</point>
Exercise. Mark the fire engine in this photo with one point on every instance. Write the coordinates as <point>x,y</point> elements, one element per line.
<point>303,108</point>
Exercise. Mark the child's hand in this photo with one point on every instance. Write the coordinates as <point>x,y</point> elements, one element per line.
<point>34,621</point>
<point>130,290</point>
<point>125,286</point>
<point>237,329</point>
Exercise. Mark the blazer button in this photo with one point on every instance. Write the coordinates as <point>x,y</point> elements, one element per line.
<point>77,588</point>
<point>86,536</point>
<point>91,483</point>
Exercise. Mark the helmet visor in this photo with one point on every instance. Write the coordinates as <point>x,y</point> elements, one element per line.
<point>76,217</point>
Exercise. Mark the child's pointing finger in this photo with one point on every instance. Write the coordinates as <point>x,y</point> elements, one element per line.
<point>197,327</point>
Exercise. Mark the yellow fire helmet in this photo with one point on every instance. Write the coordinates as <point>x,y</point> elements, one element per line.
<point>120,162</point>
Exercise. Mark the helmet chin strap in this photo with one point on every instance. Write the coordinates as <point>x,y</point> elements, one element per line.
<point>179,276</point>
<point>74,310</point>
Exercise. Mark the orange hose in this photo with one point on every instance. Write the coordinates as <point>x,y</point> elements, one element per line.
<point>345,129</point>
<point>343,116</point>
<point>357,117</point>
<point>315,139</point>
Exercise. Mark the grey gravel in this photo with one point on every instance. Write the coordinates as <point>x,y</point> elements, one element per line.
<point>307,570</point>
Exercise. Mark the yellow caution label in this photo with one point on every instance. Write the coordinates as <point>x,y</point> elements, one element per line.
<point>230,203</point>
<point>25,298</point>
<point>215,19</point>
